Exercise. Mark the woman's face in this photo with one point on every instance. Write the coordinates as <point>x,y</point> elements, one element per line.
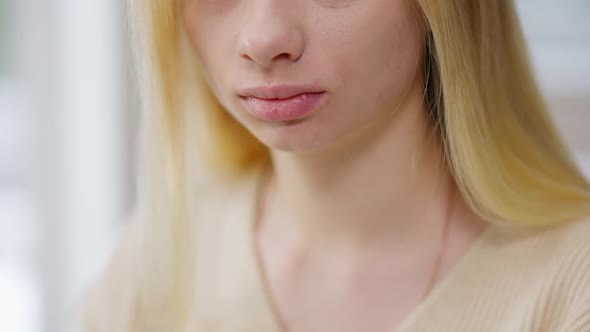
<point>304,75</point>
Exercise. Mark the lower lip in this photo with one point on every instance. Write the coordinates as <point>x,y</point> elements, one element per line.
<point>293,108</point>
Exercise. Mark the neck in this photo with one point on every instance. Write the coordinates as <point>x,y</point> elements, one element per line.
<point>392,181</point>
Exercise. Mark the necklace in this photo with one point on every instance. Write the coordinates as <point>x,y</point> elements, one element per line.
<point>260,198</point>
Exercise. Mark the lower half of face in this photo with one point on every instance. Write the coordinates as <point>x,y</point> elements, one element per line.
<point>310,74</point>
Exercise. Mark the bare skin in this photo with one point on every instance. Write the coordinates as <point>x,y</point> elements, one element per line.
<point>359,192</point>
<point>366,265</point>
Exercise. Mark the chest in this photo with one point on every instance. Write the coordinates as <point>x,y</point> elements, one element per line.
<point>337,295</point>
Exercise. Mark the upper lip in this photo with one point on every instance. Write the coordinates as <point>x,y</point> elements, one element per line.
<point>283,91</point>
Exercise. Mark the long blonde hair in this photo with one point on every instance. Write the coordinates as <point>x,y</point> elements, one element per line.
<point>503,149</point>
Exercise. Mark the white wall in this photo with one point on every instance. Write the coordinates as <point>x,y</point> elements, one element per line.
<point>73,63</point>
<point>559,39</point>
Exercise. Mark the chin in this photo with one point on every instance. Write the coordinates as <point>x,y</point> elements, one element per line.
<point>314,133</point>
<point>293,136</point>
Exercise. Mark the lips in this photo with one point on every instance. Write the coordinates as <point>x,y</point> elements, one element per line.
<point>279,91</point>
<point>282,103</point>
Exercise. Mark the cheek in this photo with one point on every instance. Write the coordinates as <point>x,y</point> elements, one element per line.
<point>376,50</point>
<point>192,25</point>
<point>209,32</point>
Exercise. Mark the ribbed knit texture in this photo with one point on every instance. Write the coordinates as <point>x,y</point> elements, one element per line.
<point>509,280</point>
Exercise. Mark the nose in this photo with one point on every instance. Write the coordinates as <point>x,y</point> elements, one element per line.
<point>271,34</point>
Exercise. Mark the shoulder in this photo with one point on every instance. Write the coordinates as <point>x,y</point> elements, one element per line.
<point>564,249</point>
<point>556,263</point>
<point>537,279</point>
<point>218,205</point>
<point>572,276</point>
<point>570,244</point>
<point>555,244</point>
<point>111,302</point>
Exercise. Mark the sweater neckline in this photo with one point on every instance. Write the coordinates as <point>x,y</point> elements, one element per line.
<point>262,291</point>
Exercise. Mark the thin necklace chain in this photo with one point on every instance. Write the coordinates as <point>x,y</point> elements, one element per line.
<point>260,197</point>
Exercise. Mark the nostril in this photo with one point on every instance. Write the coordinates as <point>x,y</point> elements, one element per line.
<point>283,56</point>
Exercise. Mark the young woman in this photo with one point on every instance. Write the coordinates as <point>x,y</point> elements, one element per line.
<point>345,165</point>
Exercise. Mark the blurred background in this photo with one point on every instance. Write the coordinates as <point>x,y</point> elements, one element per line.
<point>67,117</point>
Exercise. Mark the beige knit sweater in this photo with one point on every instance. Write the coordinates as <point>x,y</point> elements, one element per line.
<point>509,280</point>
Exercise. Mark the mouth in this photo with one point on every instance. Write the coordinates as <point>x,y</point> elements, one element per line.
<point>283,103</point>
<point>282,91</point>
